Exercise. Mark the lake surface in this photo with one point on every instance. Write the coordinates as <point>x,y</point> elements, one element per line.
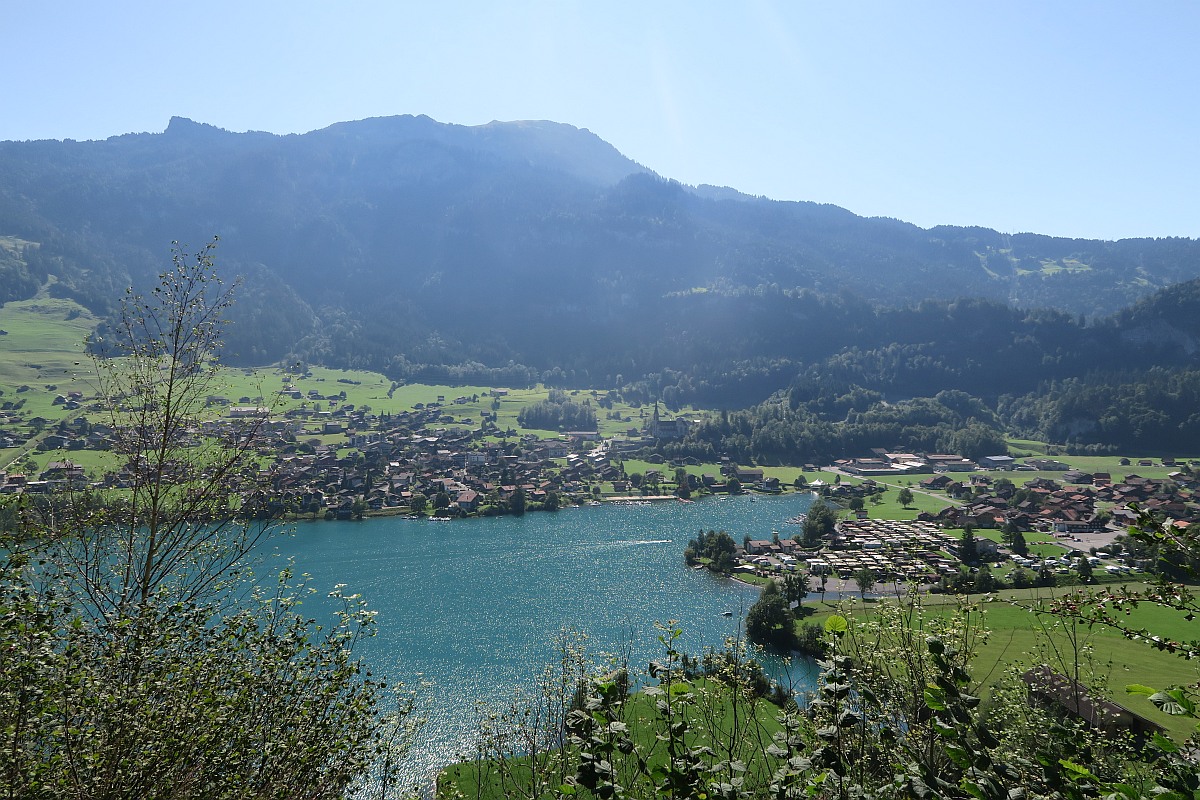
<point>473,606</point>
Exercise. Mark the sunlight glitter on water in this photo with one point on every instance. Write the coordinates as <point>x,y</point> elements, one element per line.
<point>474,606</point>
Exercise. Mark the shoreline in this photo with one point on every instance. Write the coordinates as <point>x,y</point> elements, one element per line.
<point>621,500</point>
<point>637,499</point>
<point>835,588</point>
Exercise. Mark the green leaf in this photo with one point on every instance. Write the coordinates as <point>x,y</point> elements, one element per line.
<point>837,624</point>
<point>987,739</point>
<point>919,788</point>
<point>958,755</point>
<point>1165,744</point>
<point>776,751</point>
<point>1075,770</point>
<point>1172,702</point>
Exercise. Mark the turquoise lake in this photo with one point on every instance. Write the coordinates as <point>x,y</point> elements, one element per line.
<point>473,606</point>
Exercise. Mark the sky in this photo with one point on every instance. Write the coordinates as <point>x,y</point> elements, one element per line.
<point>1067,118</point>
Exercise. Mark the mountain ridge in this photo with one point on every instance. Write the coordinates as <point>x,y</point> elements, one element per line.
<point>406,245</point>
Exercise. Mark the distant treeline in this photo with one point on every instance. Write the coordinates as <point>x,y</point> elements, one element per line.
<point>781,432</point>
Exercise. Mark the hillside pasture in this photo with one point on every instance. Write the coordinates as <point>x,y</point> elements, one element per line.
<point>43,345</point>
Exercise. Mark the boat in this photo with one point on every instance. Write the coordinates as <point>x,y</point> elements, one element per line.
<point>726,613</point>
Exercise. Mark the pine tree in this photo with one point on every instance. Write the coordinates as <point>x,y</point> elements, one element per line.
<point>968,549</point>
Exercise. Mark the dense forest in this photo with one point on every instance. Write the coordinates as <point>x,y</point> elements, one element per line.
<point>518,253</point>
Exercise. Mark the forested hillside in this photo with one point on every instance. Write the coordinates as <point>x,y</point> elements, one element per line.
<point>513,253</point>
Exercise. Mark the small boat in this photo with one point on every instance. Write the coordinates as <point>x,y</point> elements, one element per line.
<point>726,613</point>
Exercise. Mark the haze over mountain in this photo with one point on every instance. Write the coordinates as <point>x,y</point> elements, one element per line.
<point>534,250</point>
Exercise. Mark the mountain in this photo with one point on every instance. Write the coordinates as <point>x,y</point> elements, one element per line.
<point>520,251</point>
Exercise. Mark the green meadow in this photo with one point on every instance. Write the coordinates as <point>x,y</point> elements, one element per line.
<point>42,355</point>
<point>1027,448</point>
<point>1017,635</point>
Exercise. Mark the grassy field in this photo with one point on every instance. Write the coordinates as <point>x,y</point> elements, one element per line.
<point>375,391</point>
<point>1018,638</point>
<point>41,356</point>
<point>757,719</point>
<point>1012,638</point>
<point>43,342</point>
<point>1027,448</point>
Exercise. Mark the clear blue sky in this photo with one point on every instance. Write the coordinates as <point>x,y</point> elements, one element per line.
<point>1066,118</point>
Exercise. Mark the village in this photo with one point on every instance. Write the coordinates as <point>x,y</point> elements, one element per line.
<point>1079,522</point>
<point>326,458</point>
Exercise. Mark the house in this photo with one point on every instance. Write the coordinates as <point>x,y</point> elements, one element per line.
<point>554,449</point>
<point>1047,465</point>
<point>243,412</point>
<point>14,482</point>
<point>997,462</point>
<point>749,476</point>
<point>66,471</point>
<point>468,500</point>
<point>948,462</point>
<point>936,482</point>
<point>1056,690</point>
<point>868,466</point>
